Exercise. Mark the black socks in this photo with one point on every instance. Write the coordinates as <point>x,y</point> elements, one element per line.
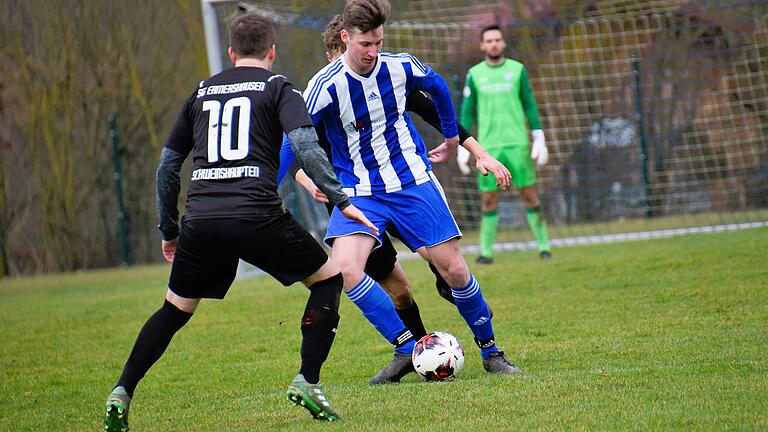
<point>412,320</point>
<point>152,341</point>
<point>318,326</point>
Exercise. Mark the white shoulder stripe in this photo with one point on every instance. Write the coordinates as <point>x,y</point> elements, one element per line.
<point>276,76</point>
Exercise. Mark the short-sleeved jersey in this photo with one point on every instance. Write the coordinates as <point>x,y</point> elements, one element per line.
<point>500,99</point>
<point>375,146</point>
<point>233,125</point>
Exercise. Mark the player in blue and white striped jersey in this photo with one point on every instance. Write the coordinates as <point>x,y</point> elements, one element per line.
<point>375,146</point>
<point>384,167</point>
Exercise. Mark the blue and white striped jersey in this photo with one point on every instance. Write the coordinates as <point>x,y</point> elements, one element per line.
<point>374,143</point>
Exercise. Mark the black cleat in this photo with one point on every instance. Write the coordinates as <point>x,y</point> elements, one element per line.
<point>497,363</point>
<point>545,255</point>
<point>483,260</point>
<point>400,366</point>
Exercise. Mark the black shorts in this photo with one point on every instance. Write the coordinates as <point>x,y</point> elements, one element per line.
<point>208,251</point>
<point>381,262</point>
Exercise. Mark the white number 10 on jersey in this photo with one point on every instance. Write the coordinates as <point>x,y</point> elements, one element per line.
<point>220,128</point>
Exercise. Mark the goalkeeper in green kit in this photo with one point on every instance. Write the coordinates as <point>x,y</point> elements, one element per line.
<point>498,96</point>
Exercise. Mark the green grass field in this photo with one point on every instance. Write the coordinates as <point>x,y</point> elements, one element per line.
<point>665,334</point>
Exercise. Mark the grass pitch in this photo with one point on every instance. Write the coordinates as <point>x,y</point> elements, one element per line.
<point>648,335</point>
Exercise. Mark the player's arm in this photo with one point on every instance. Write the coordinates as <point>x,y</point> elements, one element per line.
<point>315,164</point>
<point>291,166</point>
<point>417,102</point>
<point>539,150</point>
<point>420,104</point>
<point>529,101</point>
<point>433,83</point>
<point>468,114</point>
<point>172,157</point>
<point>287,160</point>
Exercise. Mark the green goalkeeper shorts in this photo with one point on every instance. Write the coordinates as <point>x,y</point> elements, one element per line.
<point>518,161</point>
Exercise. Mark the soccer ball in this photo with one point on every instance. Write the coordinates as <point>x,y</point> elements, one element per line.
<point>438,356</point>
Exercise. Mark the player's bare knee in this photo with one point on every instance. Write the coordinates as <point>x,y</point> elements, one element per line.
<point>490,201</point>
<point>352,276</point>
<point>529,196</point>
<point>182,303</point>
<point>455,272</point>
<point>327,270</point>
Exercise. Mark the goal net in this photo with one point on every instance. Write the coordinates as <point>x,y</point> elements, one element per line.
<point>655,113</point>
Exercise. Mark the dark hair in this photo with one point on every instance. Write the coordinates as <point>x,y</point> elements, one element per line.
<point>489,28</point>
<point>251,35</point>
<point>365,15</point>
<point>331,37</point>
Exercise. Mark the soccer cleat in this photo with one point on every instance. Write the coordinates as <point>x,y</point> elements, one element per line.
<point>497,363</point>
<point>484,260</point>
<point>116,417</point>
<point>545,254</point>
<point>400,366</point>
<point>311,397</point>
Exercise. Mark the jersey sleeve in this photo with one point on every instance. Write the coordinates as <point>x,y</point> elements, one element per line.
<point>316,95</point>
<point>426,79</point>
<point>529,102</point>
<point>469,103</point>
<point>287,157</point>
<point>181,138</point>
<point>417,102</point>
<point>291,109</point>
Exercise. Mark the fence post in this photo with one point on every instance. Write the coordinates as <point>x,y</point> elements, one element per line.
<point>641,131</point>
<point>122,224</point>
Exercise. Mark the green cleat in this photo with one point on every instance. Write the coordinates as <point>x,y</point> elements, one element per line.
<point>116,417</point>
<point>311,397</point>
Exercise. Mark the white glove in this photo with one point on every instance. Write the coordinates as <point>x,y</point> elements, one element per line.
<point>462,158</point>
<point>539,151</point>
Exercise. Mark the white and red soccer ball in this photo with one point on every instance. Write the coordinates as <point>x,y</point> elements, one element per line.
<point>438,356</point>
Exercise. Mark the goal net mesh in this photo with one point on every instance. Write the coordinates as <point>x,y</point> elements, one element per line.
<point>655,112</point>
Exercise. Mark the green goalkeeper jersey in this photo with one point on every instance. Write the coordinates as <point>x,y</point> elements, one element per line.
<point>499,98</point>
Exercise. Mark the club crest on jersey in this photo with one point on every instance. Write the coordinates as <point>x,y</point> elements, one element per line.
<point>508,76</point>
<point>357,125</point>
<point>372,97</point>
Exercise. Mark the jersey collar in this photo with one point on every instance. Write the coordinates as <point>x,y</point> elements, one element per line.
<point>357,76</point>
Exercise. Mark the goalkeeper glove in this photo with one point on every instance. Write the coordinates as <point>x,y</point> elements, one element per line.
<point>462,158</point>
<point>539,151</point>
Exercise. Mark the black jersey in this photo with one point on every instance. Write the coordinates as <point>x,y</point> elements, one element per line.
<point>233,125</point>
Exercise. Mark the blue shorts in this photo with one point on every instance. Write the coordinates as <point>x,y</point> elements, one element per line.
<point>420,213</point>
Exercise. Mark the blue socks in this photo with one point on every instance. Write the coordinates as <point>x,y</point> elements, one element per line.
<point>474,310</point>
<point>377,307</point>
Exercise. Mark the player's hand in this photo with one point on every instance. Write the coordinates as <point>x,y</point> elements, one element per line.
<point>310,186</point>
<point>445,151</point>
<point>462,158</point>
<point>169,249</point>
<point>438,154</point>
<point>539,151</point>
<point>489,164</point>
<point>356,215</point>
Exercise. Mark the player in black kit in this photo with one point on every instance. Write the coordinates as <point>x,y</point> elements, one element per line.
<point>233,125</point>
